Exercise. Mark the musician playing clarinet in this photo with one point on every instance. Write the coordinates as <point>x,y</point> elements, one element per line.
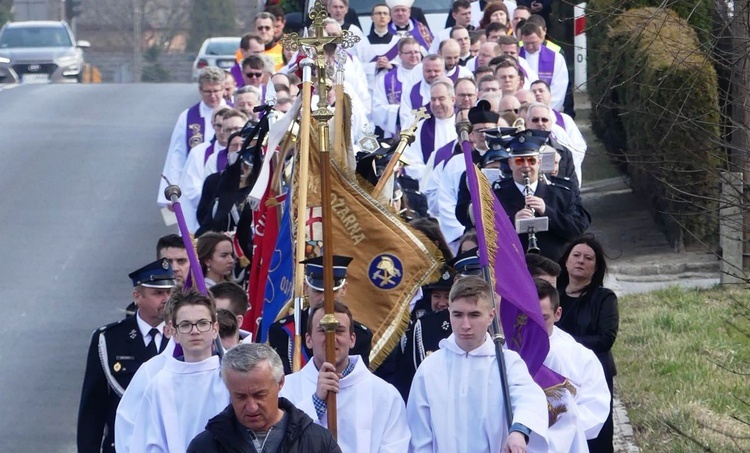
<point>528,194</point>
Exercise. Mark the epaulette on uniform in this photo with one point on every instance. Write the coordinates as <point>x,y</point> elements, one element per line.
<point>562,183</point>
<point>502,184</point>
<point>110,325</point>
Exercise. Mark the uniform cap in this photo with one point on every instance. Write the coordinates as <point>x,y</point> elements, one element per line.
<point>467,263</point>
<point>314,271</point>
<point>527,143</point>
<point>154,275</point>
<point>482,113</point>
<point>444,282</point>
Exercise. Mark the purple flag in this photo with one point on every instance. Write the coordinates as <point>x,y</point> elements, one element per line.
<point>500,248</point>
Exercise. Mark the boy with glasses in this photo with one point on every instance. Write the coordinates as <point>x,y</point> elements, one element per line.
<point>188,391</point>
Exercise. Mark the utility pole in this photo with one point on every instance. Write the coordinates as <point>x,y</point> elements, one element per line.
<point>740,145</point>
<point>137,35</point>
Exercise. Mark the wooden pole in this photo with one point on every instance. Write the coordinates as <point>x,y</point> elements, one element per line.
<point>303,171</point>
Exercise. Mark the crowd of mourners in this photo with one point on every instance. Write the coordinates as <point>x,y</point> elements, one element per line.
<point>179,373</point>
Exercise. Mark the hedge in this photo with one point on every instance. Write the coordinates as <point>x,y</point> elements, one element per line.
<point>655,106</point>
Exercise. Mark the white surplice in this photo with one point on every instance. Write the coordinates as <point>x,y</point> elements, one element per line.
<point>177,404</point>
<point>130,403</point>
<point>445,132</point>
<point>456,401</point>
<point>581,366</point>
<point>371,413</point>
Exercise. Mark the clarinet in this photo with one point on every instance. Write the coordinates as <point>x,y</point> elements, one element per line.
<point>533,247</point>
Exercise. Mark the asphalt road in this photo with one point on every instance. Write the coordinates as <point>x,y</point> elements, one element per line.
<point>79,175</point>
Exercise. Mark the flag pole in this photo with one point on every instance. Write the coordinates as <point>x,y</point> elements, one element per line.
<point>464,128</point>
<point>407,138</point>
<point>302,179</point>
<point>322,115</point>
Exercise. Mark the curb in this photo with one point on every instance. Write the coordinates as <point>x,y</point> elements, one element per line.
<point>624,439</point>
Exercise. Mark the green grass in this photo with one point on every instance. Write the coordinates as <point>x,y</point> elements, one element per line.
<point>683,360</point>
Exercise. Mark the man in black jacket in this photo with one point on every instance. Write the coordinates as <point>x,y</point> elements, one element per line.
<point>257,420</point>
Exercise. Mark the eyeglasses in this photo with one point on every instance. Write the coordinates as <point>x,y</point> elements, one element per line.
<point>413,52</point>
<point>212,91</point>
<point>232,130</point>
<point>539,120</point>
<point>251,75</point>
<point>266,28</point>
<point>204,325</point>
<point>530,160</point>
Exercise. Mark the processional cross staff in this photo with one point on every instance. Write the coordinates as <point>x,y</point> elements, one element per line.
<point>315,44</point>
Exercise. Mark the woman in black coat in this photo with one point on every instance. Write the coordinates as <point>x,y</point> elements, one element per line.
<point>590,314</point>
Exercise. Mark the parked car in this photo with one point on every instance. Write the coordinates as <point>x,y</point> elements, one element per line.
<point>219,52</point>
<point>40,52</point>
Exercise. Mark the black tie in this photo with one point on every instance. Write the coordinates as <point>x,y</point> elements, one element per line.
<point>153,349</point>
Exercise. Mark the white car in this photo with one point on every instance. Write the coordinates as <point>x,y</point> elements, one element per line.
<point>218,52</point>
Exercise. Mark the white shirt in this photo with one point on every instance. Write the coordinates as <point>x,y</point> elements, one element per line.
<point>371,413</point>
<point>177,404</point>
<point>456,401</point>
<point>559,85</point>
<point>424,90</point>
<point>145,328</point>
<point>177,152</point>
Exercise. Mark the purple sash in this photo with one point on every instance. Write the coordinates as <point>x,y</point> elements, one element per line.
<point>560,120</point>
<point>454,76</point>
<point>237,74</point>
<point>444,153</point>
<point>414,32</point>
<point>194,127</point>
<point>416,96</point>
<point>427,138</point>
<point>209,151</point>
<point>221,160</point>
<point>393,87</point>
<point>546,66</point>
<point>391,54</point>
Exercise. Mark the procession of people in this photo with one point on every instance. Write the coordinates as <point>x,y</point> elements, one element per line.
<point>381,248</point>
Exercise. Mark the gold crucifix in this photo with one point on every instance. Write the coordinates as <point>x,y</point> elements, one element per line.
<point>293,42</point>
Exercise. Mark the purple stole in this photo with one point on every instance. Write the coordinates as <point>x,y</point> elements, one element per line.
<point>391,54</point>
<point>444,153</point>
<point>546,63</point>
<point>560,120</point>
<point>237,74</point>
<point>416,97</point>
<point>454,76</point>
<point>209,151</point>
<point>427,138</point>
<point>414,32</point>
<point>221,161</point>
<point>393,87</point>
<point>194,133</point>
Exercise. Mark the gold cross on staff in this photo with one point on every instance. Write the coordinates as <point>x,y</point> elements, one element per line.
<point>293,41</point>
<point>419,115</point>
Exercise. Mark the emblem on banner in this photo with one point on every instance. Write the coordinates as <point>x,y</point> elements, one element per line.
<point>386,271</point>
<point>313,232</point>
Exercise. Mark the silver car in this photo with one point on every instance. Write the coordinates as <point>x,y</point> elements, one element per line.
<point>40,52</point>
<point>216,52</point>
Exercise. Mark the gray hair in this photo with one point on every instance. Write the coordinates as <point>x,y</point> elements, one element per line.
<point>538,105</point>
<point>244,357</point>
<point>447,83</point>
<point>211,75</point>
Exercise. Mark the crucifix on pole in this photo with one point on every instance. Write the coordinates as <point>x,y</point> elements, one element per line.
<point>315,44</point>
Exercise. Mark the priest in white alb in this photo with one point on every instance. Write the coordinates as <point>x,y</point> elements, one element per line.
<point>188,391</point>
<point>434,133</point>
<point>456,401</point>
<point>370,412</point>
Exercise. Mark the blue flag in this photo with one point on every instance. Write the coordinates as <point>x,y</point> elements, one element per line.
<point>280,281</point>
